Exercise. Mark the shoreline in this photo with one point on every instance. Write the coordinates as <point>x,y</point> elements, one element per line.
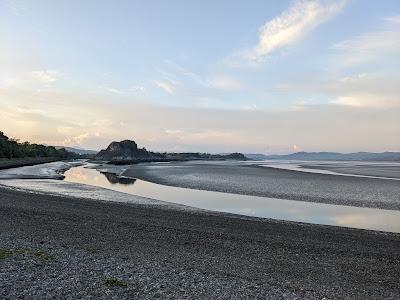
<point>50,170</point>
<point>24,162</point>
<point>152,250</point>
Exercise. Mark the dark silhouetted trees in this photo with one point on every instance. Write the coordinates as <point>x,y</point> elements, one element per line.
<point>11,148</point>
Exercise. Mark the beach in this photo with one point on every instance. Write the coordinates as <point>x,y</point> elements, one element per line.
<point>68,240</point>
<point>70,248</point>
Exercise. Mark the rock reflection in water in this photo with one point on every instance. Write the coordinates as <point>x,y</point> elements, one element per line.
<point>290,210</point>
<point>114,178</point>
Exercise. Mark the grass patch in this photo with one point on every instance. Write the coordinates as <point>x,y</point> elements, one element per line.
<point>114,282</point>
<point>41,256</point>
<point>5,253</point>
<point>23,251</point>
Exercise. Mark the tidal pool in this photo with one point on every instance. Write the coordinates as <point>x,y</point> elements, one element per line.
<point>308,212</point>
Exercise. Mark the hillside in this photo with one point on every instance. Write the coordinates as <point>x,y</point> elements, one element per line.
<point>12,149</point>
<point>79,151</point>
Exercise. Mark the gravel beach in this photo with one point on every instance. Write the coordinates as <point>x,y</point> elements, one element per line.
<point>55,247</point>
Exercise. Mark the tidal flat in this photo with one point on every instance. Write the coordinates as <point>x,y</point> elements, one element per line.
<point>69,240</point>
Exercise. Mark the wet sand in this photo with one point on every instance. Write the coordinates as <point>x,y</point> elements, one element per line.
<point>69,248</point>
<point>377,169</point>
<point>274,183</point>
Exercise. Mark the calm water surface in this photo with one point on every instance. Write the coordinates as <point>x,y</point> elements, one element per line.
<point>308,212</point>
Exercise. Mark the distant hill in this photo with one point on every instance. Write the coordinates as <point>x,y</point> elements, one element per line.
<point>127,151</point>
<point>79,151</point>
<point>357,156</point>
<point>255,156</point>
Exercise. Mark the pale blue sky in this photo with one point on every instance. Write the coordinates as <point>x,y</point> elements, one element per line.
<point>280,60</point>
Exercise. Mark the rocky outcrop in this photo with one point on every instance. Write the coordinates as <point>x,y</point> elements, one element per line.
<point>124,151</point>
<point>127,151</point>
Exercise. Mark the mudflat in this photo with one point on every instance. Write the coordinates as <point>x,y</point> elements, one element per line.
<point>275,183</point>
<point>70,248</point>
<point>21,162</point>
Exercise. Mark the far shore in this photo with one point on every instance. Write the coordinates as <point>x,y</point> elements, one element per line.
<point>6,163</point>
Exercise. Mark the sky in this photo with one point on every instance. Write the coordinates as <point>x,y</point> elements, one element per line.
<point>213,76</point>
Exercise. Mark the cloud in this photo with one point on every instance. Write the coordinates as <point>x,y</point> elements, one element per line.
<point>120,91</point>
<point>17,7</point>
<point>393,19</point>
<point>53,118</point>
<point>137,88</point>
<point>368,100</point>
<point>167,85</point>
<point>46,76</point>
<point>112,90</point>
<point>75,140</point>
<point>371,46</point>
<point>287,29</point>
<point>367,89</point>
<point>173,131</point>
<point>249,107</point>
<point>226,83</point>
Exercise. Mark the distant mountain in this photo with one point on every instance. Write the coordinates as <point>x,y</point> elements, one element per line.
<point>79,151</point>
<point>127,151</point>
<point>360,156</point>
<point>256,156</point>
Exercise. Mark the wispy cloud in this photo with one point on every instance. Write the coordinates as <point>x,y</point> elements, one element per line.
<point>373,45</point>
<point>111,90</point>
<point>226,83</point>
<point>167,85</point>
<point>287,29</point>
<point>369,100</point>
<point>17,7</point>
<point>75,140</point>
<point>46,76</point>
<point>194,129</point>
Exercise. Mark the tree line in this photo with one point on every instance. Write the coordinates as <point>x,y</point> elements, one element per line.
<point>11,148</point>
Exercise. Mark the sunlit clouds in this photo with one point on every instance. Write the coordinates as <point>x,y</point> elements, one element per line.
<point>269,77</point>
<point>46,76</point>
<point>372,46</point>
<point>288,28</point>
<point>167,85</point>
<point>64,119</point>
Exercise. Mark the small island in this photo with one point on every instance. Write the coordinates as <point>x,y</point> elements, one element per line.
<point>128,152</point>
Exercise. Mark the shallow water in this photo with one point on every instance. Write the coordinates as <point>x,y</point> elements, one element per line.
<point>308,212</point>
<point>342,168</point>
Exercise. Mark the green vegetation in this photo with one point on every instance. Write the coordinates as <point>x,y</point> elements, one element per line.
<point>114,282</point>
<point>11,148</point>
<point>41,256</point>
<point>5,253</point>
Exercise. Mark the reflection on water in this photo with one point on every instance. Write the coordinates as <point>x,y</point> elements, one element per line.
<point>308,212</point>
<point>113,178</point>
